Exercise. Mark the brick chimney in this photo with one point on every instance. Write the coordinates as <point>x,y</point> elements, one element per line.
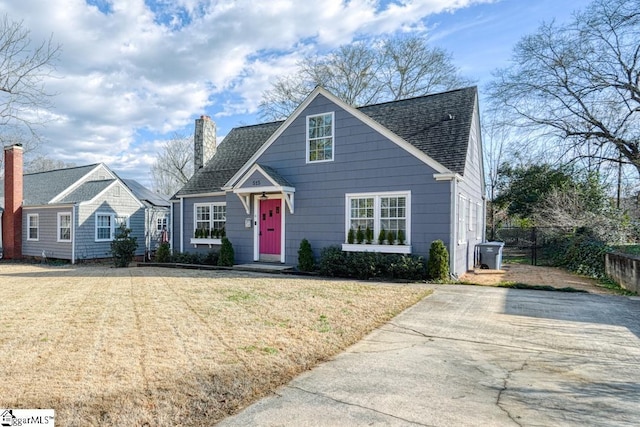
<point>204,142</point>
<point>12,216</point>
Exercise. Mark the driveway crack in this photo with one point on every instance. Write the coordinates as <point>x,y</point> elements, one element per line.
<point>359,406</point>
<point>505,386</point>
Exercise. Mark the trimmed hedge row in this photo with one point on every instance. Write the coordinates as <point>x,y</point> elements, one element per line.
<point>369,265</point>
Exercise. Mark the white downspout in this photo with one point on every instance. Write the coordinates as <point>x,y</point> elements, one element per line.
<point>73,233</point>
<point>454,226</point>
<point>181,224</point>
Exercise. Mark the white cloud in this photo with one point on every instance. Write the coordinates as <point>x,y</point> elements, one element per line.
<point>145,69</point>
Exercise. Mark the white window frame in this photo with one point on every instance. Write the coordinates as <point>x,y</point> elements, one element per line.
<point>162,223</point>
<point>30,227</point>
<point>59,227</point>
<point>109,227</point>
<point>114,223</point>
<point>212,219</point>
<point>463,214</point>
<point>377,220</point>
<point>309,139</point>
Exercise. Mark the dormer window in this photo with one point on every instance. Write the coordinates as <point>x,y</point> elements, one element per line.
<point>320,138</point>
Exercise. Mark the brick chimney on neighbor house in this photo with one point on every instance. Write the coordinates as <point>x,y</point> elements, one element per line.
<point>12,216</point>
<point>204,142</point>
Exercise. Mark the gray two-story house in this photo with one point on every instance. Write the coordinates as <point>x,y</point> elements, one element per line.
<point>412,168</point>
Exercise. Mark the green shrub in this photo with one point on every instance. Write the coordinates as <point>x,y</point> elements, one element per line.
<point>438,262</point>
<point>391,237</point>
<point>306,261</point>
<point>333,262</point>
<point>163,254</point>
<point>407,267</point>
<point>370,265</point>
<point>381,236</point>
<point>123,247</point>
<point>359,235</point>
<point>351,236</point>
<point>401,237</point>
<point>226,257</point>
<point>582,253</point>
<point>368,235</point>
<point>211,258</point>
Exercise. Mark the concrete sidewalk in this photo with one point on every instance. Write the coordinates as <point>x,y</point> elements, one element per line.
<point>470,356</point>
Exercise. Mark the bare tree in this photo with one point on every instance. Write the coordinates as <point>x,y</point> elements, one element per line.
<point>580,82</point>
<point>362,74</point>
<point>561,209</point>
<point>24,67</point>
<point>174,165</point>
<point>42,163</point>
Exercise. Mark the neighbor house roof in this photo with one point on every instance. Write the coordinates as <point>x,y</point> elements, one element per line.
<point>41,187</point>
<point>145,195</point>
<point>438,125</point>
<point>87,191</point>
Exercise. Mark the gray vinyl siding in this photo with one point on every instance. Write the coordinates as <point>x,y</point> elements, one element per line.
<point>47,234</point>
<point>108,203</point>
<point>472,188</point>
<point>176,226</point>
<point>364,161</point>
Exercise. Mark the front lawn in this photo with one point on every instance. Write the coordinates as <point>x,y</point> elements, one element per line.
<point>152,346</point>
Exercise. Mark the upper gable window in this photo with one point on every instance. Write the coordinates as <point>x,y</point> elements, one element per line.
<point>320,138</point>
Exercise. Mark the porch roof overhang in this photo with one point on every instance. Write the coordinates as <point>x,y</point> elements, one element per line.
<point>263,179</point>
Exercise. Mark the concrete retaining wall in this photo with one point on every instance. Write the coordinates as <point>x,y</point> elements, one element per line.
<point>625,270</point>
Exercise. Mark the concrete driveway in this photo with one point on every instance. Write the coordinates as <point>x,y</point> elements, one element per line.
<point>477,356</point>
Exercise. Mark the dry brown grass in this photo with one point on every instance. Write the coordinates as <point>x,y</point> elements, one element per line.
<point>150,346</point>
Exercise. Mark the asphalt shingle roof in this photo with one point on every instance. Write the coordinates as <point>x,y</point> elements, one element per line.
<point>39,188</point>
<point>236,149</point>
<point>87,191</point>
<point>438,124</point>
<point>279,179</point>
<point>144,194</point>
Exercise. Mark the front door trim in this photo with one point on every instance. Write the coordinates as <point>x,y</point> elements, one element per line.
<point>256,225</point>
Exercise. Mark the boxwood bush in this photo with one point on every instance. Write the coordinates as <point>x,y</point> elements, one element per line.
<point>371,265</point>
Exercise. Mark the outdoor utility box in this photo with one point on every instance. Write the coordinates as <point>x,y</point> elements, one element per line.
<point>490,255</point>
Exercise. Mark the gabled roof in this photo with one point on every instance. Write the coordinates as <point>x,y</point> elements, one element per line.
<point>238,147</point>
<point>434,127</point>
<point>65,186</point>
<point>42,187</point>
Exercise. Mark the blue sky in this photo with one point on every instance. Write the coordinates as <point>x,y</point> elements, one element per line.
<point>134,72</point>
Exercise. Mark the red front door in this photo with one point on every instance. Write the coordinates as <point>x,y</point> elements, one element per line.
<point>270,226</point>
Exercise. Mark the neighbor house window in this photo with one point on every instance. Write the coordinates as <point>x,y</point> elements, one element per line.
<point>64,227</point>
<point>161,224</point>
<point>463,208</point>
<point>209,217</point>
<point>320,138</point>
<point>33,226</point>
<point>106,225</point>
<point>380,211</point>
